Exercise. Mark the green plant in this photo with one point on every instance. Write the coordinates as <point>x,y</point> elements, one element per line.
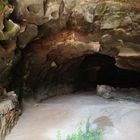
<point>58,135</point>
<point>89,134</point>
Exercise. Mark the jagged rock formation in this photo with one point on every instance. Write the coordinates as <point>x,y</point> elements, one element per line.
<point>73,29</point>
<point>9,106</point>
<point>8,33</point>
<point>114,24</point>
<point>9,113</point>
<point>58,31</point>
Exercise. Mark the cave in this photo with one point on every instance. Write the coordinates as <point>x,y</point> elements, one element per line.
<point>100,69</point>
<point>85,73</point>
<point>69,63</point>
<point>46,79</point>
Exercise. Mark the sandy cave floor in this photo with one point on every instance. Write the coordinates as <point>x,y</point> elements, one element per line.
<point>119,120</point>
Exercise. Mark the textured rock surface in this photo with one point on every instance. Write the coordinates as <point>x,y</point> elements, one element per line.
<point>28,35</point>
<point>9,113</point>
<point>8,29</point>
<point>118,20</point>
<point>8,45</point>
<point>59,31</point>
<point>8,59</point>
<point>109,92</point>
<point>9,107</point>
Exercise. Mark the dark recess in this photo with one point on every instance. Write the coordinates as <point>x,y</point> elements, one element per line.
<point>101,69</point>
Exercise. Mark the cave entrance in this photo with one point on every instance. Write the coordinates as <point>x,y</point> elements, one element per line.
<point>101,69</point>
<point>85,73</point>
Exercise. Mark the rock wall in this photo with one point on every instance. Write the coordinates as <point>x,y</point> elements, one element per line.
<point>52,32</point>
<point>9,105</point>
<point>8,32</point>
<point>9,113</point>
<point>114,24</point>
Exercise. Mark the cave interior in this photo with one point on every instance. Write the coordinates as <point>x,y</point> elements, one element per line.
<point>84,74</point>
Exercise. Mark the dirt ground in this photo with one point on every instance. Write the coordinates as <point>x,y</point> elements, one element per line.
<point>119,120</point>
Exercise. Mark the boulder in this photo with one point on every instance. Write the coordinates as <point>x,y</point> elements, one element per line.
<point>9,113</point>
<point>31,31</point>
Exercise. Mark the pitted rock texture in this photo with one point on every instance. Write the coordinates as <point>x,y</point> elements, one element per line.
<point>109,92</point>
<point>53,32</point>
<point>8,59</point>
<point>8,34</point>
<point>9,113</point>
<point>8,29</point>
<point>116,24</point>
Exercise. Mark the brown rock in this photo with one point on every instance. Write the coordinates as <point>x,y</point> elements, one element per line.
<point>28,35</point>
<point>9,110</point>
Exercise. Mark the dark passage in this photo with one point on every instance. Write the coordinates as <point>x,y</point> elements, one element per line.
<point>78,74</point>
<point>101,69</point>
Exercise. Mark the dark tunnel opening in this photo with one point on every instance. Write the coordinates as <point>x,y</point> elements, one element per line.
<point>100,69</point>
<point>78,74</point>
